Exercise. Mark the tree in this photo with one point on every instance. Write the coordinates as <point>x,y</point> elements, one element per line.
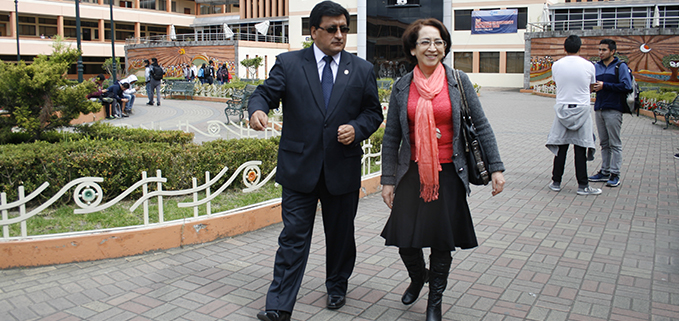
<point>251,65</point>
<point>108,66</point>
<point>307,44</point>
<point>38,97</point>
<point>671,62</point>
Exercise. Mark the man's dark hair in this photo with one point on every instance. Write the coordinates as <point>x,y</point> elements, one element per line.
<point>146,62</point>
<point>610,43</point>
<point>572,44</point>
<point>155,60</point>
<point>125,85</point>
<point>101,77</point>
<point>411,34</point>
<point>328,9</point>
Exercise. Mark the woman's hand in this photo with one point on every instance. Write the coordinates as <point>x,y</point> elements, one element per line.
<point>498,183</point>
<point>388,195</point>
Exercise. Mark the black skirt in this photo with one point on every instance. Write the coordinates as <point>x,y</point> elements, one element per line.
<point>443,224</point>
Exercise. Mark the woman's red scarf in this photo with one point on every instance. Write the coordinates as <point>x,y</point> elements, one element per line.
<point>425,131</point>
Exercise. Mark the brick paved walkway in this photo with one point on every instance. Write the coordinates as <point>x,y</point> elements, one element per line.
<point>542,255</point>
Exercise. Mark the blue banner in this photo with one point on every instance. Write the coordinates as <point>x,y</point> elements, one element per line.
<point>494,21</point>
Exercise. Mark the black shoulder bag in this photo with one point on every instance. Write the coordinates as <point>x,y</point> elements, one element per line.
<point>476,158</point>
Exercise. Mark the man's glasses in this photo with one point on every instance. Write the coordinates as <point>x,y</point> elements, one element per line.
<point>425,43</point>
<point>333,29</point>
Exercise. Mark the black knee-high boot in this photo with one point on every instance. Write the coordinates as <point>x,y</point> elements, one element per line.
<point>414,262</point>
<point>438,280</point>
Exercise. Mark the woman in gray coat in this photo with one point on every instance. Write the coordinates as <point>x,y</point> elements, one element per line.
<point>424,172</point>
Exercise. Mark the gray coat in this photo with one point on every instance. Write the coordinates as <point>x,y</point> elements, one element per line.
<point>572,126</point>
<point>396,142</point>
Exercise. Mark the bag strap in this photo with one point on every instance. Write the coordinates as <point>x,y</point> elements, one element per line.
<point>466,115</point>
<point>464,111</point>
<point>472,146</point>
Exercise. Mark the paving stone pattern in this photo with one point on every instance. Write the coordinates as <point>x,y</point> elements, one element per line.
<point>542,255</point>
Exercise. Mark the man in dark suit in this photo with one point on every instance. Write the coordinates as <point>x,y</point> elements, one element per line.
<point>330,105</point>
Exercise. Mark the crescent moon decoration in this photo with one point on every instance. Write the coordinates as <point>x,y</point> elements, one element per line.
<point>644,48</point>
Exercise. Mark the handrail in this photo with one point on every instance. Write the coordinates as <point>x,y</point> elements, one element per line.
<point>604,23</point>
<point>189,37</point>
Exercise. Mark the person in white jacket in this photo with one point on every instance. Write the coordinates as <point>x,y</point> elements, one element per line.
<point>129,93</point>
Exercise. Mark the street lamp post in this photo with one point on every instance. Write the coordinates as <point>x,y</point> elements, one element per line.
<point>113,46</point>
<point>16,18</point>
<point>78,40</point>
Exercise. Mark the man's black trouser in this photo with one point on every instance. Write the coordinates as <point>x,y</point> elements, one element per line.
<point>580,164</point>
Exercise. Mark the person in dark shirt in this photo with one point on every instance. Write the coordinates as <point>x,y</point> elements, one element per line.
<point>610,93</point>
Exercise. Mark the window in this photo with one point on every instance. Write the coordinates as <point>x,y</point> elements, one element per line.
<point>514,63</point>
<point>126,4</point>
<point>27,30</point>
<point>162,5</point>
<point>489,62</point>
<point>187,10</point>
<point>174,6</point>
<point>26,19</point>
<point>521,17</point>
<point>147,4</point>
<point>463,19</point>
<point>463,61</point>
<point>209,9</point>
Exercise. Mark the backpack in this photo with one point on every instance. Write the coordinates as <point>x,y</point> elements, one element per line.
<point>223,74</point>
<point>631,102</point>
<point>157,72</point>
<point>201,73</point>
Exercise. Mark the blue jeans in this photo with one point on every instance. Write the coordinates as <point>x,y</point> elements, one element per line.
<point>130,102</point>
<point>608,124</point>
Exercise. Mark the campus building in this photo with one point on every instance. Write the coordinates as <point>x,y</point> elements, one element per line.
<point>228,31</point>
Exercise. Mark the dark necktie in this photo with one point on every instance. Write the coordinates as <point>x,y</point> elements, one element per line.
<point>327,81</point>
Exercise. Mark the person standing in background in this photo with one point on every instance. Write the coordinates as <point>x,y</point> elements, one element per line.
<point>613,84</point>
<point>574,77</point>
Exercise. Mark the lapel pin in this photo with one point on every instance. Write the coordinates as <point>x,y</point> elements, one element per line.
<point>346,72</point>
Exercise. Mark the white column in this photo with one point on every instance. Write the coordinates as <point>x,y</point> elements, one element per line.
<point>362,25</point>
<point>448,22</point>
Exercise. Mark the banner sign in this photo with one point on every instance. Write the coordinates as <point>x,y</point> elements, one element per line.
<point>494,21</point>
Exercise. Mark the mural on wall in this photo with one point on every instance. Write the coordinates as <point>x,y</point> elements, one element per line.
<point>173,58</point>
<point>654,60</point>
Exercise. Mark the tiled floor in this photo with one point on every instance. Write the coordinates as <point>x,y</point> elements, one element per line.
<point>542,256</point>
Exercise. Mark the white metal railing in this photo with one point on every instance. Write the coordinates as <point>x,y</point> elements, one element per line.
<point>545,89</point>
<point>88,194</point>
<point>370,158</point>
<point>187,37</point>
<point>603,23</point>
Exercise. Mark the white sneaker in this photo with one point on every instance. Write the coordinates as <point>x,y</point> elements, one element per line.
<point>589,191</point>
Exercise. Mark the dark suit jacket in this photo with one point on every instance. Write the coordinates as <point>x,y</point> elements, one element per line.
<point>309,135</point>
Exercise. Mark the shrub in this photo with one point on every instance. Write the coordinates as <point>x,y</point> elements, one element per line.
<point>121,162</point>
<point>658,96</point>
<point>102,131</point>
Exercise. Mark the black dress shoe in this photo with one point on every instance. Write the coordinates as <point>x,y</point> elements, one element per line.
<point>149,103</point>
<point>273,316</point>
<point>336,301</point>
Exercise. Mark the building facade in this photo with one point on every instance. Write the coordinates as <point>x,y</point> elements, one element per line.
<point>193,30</point>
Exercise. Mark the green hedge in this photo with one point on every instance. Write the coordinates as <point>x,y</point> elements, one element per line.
<point>102,131</point>
<point>652,94</point>
<point>121,162</point>
<point>119,155</point>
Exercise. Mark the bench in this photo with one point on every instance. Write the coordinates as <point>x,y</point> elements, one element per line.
<point>667,110</point>
<point>185,88</point>
<point>237,105</point>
